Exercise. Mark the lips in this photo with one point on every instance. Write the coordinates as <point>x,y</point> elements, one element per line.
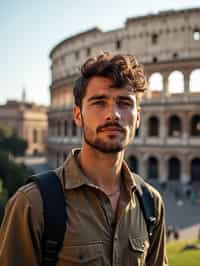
<point>111,129</point>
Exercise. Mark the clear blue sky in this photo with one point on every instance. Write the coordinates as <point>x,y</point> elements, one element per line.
<point>30,29</point>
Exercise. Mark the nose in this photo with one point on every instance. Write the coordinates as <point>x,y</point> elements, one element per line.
<point>112,113</point>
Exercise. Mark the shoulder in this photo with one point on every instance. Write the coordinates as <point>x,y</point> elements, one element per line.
<point>26,202</point>
<point>30,193</point>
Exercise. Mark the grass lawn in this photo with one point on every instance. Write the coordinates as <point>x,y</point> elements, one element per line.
<point>179,257</point>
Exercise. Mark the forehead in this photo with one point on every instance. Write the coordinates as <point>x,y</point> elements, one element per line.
<point>103,85</point>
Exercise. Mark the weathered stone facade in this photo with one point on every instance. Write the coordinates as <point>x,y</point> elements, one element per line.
<point>167,146</point>
<point>28,121</point>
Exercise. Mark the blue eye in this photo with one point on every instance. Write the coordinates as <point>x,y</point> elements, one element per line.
<point>100,103</point>
<point>125,104</point>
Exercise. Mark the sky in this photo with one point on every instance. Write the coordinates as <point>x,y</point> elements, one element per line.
<point>30,29</point>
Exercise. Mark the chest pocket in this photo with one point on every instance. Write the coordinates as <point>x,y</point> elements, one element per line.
<point>86,255</point>
<point>138,248</point>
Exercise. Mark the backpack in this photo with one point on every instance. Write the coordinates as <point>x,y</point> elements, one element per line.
<point>55,216</point>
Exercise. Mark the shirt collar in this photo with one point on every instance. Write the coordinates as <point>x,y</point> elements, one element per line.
<point>73,176</point>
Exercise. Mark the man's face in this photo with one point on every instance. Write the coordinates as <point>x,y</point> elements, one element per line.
<point>109,116</point>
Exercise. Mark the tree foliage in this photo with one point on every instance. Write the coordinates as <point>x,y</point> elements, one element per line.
<point>12,175</point>
<point>9,142</point>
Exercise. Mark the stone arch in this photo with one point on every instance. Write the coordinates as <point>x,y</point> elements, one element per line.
<point>195,125</point>
<point>153,126</point>
<point>174,169</point>
<point>175,126</point>
<point>156,81</point>
<point>195,169</point>
<point>194,83</point>
<point>133,163</point>
<point>176,82</point>
<point>152,168</point>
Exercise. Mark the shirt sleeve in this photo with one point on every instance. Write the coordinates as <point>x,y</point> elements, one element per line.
<point>20,233</point>
<point>157,251</point>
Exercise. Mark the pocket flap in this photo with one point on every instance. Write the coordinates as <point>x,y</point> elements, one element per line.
<point>137,244</point>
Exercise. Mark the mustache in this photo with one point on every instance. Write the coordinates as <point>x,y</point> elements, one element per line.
<point>110,124</point>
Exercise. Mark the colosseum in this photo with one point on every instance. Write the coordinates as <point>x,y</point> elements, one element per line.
<point>167,144</point>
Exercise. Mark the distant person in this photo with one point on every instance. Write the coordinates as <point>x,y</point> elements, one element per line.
<point>176,233</point>
<point>169,232</point>
<point>105,220</point>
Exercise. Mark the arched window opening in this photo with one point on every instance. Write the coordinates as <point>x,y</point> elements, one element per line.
<point>174,169</point>
<point>195,81</point>
<point>133,164</point>
<point>195,125</point>
<point>152,168</point>
<point>77,54</point>
<point>155,59</point>
<point>196,34</point>
<point>154,38</point>
<point>118,44</point>
<point>88,51</point>
<point>153,126</point>
<point>174,126</point>
<point>35,136</point>
<point>195,170</point>
<point>176,82</point>
<point>156,82</point>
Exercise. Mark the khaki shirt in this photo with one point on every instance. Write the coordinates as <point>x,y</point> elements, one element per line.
<point>94,235</point>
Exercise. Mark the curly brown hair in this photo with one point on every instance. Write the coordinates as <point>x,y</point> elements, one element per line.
<point>123,69</point>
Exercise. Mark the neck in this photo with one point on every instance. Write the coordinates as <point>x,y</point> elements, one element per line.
<point>103,169</point>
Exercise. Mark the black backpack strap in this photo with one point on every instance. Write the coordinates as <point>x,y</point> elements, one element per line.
<point>55,216</point>
<point>146,201</point>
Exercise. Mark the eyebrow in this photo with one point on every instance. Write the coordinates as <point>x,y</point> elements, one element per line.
<point>104,96</point>
<point>126,98</point>
<point>98,97</point>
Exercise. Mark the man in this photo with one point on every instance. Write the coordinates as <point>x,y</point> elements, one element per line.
<point>105,224</point>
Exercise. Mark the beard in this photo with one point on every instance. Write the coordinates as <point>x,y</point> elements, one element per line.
<point>105,146</point>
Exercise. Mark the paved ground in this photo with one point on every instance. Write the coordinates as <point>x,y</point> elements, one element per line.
<point>182,213</point>
<point>190,232</point>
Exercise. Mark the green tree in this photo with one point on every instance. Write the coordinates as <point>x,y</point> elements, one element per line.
<point>12,176</point>
<point>9,142</point>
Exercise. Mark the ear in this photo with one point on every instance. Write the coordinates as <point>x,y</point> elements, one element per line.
<point>77,116</point>
<point>138,117</point>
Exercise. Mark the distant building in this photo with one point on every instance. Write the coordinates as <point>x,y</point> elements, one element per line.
<point>167,145</point>
<point>28,121</point>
